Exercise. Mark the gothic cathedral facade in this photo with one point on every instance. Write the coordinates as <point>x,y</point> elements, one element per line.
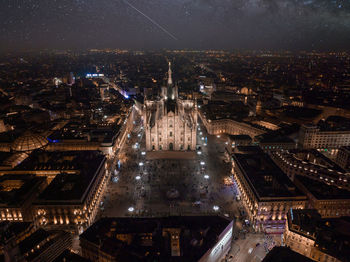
<point>170,122</point>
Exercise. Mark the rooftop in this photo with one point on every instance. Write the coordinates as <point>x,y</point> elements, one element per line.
<point>284,254</point>
<point>16,189</point>
<point>265,177</point>
<point>61,160</point>
<point>29,141</point>
<point>77,170</point>
<point>331,235</point>
<point>197,235</point>
<point>240,137</point>
<point>320,190</point>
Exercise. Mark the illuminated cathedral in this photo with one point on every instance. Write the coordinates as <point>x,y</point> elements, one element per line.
<point>170,122</point>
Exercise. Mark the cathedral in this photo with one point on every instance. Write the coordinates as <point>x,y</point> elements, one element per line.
<point>170,122</point>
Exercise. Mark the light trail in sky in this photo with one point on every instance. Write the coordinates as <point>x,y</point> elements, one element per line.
<point>151,20</point>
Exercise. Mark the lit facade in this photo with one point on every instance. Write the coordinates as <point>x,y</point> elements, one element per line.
<point>170,122</point>
<point>312,137</point>
<point>304,234</point>
<point>266,210</point>
<point>343,157</point>
<point>229,126</point>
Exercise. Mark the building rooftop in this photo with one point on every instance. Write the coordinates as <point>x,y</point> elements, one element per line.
<point>16,189</point>
<point>284,254</point>
<point>331,235</point>
<point>265,178</point>
<point>68,256</point>
<point>320,190</point>
<point>197,235</point>
<point>9,229</point>
<point>78,169</point>
<point>61,160</point>
<point>28,141</point>
<point>240,137</point>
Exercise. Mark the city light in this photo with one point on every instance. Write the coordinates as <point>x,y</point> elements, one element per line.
<point>199,152</point>
<point>131,209</point>
<point>202,138</point>
<point>141,164</point>
<point>202,163</point>
<point>143,153</point>
<point>201,133</point>
<point>206,176</point>
<point>218,136</point>
<point>137,177</point>
<point>216,208</point>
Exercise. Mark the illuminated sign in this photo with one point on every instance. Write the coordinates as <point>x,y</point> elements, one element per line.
<point>94,75</point>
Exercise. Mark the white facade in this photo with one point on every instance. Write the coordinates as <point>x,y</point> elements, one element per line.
<point>313,137</point>
<point>170,122</point>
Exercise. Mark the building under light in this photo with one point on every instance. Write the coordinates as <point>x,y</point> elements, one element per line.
<point>187,238</point>
<point>170,122</point>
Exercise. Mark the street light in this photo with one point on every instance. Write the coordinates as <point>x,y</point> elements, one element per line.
<point>131,209</point>
<point>206,176</point>
<point>137,177</point>
<point>216,208</point>
<point>202,138</point>
<point>201,133</point>
<point>202,163</point>
<point>143,153</point>
<point>218,136</point>
<point>141,164</point>
<point>199,152</point>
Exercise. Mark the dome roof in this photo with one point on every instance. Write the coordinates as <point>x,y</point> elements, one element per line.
<point>28,142</point>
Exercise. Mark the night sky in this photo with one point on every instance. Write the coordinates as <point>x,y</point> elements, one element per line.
<point>153,24</point>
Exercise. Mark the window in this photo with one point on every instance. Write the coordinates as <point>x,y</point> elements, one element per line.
<point>171,133</point>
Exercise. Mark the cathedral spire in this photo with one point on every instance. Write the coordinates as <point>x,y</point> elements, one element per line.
<point>170,80</point>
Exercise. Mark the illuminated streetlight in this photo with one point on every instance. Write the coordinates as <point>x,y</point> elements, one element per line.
<point>141,164</point>
<point>199,152</point>
<point>201,133</point>
<point>206,176</point>
<point>131,209</point>
<point>137,177</point>
<point>202,138</point>
<point>216,208</point>
<point>202,163</point>
<point>218,136</point>
<point>143,153</point>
